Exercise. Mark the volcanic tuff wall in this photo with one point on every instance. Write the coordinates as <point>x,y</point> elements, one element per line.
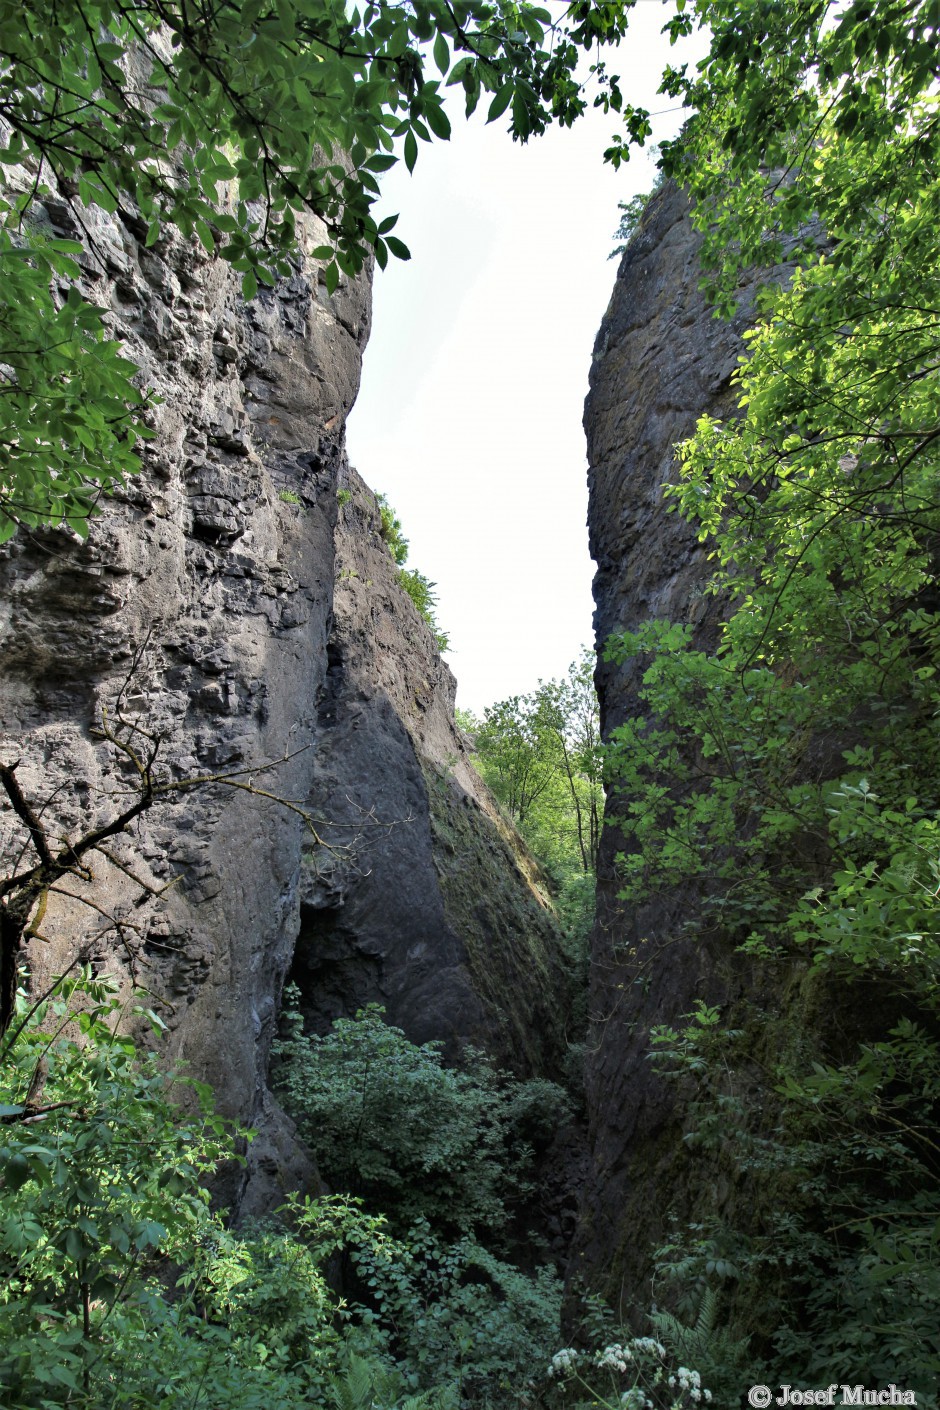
<point>202,607</point>
<point>661,360</point>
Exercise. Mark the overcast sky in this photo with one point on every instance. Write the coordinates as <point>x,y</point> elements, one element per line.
<point>469,417</point>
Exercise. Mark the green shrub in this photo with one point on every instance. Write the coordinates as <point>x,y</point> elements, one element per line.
<point>101,1173</point>
<point>391,531</point>
<point>419,588</point>
<point>101,1191</point>
<point>453,1313</point>
<point>421,591</point>
<point>388,1121</point>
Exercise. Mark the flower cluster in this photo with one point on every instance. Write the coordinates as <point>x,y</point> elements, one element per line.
<point>692,1382</point>
<point>563,1361</point>
<point>640,1361</point>
<point>614,1357</point>
<point>648,1346</point>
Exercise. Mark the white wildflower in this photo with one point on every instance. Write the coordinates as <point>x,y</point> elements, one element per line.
<point>649,1346</point>
<point>563,1361</point>
<point>633,1399</point>
<point>614,1357</point>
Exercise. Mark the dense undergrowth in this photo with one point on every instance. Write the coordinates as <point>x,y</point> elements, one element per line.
<point>121,1288</point>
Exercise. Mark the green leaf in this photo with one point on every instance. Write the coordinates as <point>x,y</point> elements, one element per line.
<point>501,102</point>
<point>437,119</point>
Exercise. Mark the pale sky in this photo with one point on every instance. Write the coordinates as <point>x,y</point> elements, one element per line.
<point>469,417</point>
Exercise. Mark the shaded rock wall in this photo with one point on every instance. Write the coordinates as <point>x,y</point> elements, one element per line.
<point>661,360</point>
<point>201,610</point>
<point>422,898</point>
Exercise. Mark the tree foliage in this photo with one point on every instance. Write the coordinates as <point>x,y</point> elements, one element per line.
<point>67,396</point>
<point>789,775</point>
<point>291,104</point>
<point>540,753</point>
<point>227,121</point>
<point>389,1122</point>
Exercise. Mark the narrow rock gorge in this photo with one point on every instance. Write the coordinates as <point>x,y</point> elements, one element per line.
<point>319,821</point>
<point>236,607</point>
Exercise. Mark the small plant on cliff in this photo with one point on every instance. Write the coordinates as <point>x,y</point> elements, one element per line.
<point>632,212</point>
<point>419,588</point>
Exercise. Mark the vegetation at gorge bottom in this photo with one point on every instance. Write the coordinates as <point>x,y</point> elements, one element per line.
<point>122,1289</point>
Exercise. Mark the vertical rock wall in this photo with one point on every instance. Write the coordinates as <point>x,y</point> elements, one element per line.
<point>661,360</point>
<point>423,900</point>
<point>201,611</point>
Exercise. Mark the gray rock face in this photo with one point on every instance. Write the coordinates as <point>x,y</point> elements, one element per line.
<point>661,360</point>
<point>423,899</point>
<point>201,611</point>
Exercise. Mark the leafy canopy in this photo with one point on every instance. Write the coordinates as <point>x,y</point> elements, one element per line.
<point>540,754</point>
<point>226,120</point>
<point>291,104</point>
<point>65,392</point>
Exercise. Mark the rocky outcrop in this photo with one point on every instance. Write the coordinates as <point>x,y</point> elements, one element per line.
<point>661,360</point>
<point>336,811</point>
<point>421,898</point>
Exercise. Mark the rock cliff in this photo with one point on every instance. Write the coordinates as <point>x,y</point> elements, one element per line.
<point>236,605</point>
<point>661,360</point>
<point>428,902</point>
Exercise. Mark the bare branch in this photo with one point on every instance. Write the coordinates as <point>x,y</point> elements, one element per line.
<point>24,811</point>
